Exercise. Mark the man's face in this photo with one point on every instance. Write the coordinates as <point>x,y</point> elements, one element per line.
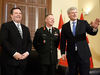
<point>73,15</point>
<point>49,20</point>
<point>16,16</point>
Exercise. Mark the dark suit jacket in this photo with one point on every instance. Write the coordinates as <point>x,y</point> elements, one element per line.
<point>11,42</point>
<point>46,45</point>
<point>79,39</point>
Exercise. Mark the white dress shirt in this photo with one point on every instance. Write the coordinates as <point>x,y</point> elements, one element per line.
<point>71,24</point>
<point>19,26</point>
<point>49,28</point>
<point>21,31</point>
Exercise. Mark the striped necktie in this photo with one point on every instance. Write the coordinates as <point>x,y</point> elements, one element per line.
<point>20,31</point>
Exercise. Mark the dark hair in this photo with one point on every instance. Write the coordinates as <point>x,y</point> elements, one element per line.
<point>11,12</point>
<point>47,15</point>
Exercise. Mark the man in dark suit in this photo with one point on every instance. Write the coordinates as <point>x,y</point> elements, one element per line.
<point>78,51</point>
<point>46,42</point>
<point>16,45</point>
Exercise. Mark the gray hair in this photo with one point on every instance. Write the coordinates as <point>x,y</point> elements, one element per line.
<point>71,8</point>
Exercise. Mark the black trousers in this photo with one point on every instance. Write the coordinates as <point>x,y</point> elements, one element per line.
<point>78,64</point>
<point>13,70</point>
<point>47,69</point>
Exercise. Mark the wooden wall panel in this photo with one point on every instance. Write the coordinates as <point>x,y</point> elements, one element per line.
<point>41,17</point>
<point>32,20</point>
<point>33,12</point>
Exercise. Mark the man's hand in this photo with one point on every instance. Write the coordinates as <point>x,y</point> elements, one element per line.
<point>95,24</point>
<point>63,57</point>
<point>24,55</point>
<point>17,56</point>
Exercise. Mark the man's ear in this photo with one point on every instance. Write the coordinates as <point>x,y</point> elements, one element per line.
<point>11,15</point>
<point>45,20</point>
<point>68,15</point>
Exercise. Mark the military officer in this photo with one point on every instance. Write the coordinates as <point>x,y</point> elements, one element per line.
<point>45,42</point>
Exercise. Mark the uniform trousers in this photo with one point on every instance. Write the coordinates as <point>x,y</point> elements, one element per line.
<point>47,69</point>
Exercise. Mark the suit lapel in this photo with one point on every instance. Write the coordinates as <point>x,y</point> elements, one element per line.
<point>15,28</point>
<point>77,27</point>
<point>23,31</point>
<point>69,29</point>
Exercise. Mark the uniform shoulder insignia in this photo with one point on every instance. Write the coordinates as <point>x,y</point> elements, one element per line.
<point>53,28</point>
<point>44,28</point>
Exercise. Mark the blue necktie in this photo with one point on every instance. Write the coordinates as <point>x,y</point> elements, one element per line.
<point>74,28</point>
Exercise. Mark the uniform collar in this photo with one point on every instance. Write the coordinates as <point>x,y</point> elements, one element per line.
<point>49,28</point>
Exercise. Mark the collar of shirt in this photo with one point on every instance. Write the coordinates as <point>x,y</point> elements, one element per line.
<point>19,25</point>
<point>16,23</point>
<point>49,28</point>
<point>71,24</point>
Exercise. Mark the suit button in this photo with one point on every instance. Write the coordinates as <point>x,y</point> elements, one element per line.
<point>51,38</point>
<point>51,42</point>
<point>51,51</point>
<point>51,46</point>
